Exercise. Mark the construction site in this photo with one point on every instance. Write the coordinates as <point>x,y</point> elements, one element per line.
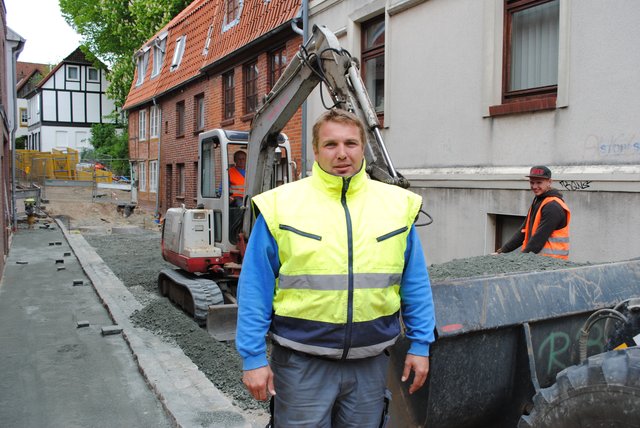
<point>130,247</point>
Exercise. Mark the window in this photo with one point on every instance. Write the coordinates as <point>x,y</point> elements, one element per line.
<point>233,8</point>
<point>158,56</point>
<point>73,72</point>
<point>142,176</point>
<point>153,176</point>
<point>181,184</point>
<point>228,90</point>
<point>142,125</point>
<point>207,42</point>
<point>277,64</point>
<point>373,39</point>
<point>143,59</point>
<point>251,87</point>
<point>24,118</point>
<point>178,52</point>
<point>530,58</point>
<point>180,119</point>
<point>198,104</point>
<point>154,122</point>
<point>93,75</point>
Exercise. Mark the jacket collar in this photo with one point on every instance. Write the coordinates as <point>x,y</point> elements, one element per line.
<point>333,184</point>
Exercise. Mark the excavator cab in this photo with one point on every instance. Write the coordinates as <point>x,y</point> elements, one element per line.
<point>204,242</point>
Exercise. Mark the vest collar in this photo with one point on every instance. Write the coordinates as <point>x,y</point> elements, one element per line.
<point>333,184</point>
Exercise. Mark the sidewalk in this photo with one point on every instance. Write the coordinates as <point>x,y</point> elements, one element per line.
<point>57,373</point>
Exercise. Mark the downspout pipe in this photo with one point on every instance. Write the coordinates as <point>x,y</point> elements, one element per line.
<point>157,213</point>
<point>15,53</point>
<point>305,36</point>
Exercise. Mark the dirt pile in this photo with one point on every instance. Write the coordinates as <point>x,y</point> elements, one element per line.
<point>86,208</point>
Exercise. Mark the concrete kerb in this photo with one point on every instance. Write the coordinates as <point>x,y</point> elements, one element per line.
<point>186,394</point>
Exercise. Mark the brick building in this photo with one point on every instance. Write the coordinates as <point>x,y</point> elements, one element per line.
<point>207,68</point>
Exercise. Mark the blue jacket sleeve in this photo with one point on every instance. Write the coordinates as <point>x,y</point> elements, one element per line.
<point>418,311</point>
<point>255,296</point>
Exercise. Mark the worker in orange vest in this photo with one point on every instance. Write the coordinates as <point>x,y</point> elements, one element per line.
<point>545,231</point>
<point>236,178</point>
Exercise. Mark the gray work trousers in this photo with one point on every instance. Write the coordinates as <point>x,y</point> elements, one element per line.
<point>315,392</point>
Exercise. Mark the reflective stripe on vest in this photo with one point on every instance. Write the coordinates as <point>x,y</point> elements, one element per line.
<point>557,246</point>
<point>236,183</point>
<point>342,258</point>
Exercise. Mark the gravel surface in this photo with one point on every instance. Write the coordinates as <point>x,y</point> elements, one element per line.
<point>135,258</point>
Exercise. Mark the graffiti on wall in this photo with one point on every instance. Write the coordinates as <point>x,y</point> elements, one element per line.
<point>614,145</point>
<point>575,184</point>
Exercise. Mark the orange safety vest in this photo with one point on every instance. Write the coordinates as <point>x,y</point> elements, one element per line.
<point>236,180</point>
<point>557,245</point>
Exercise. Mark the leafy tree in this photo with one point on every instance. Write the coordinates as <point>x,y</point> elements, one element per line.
<point>113,30</point>
<point>110,146</point>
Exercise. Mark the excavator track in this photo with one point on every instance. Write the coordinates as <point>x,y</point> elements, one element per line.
<point>193,294</point>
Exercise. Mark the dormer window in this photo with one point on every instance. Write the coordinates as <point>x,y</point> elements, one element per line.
<point>205,51</point>
<point>232,13</point>
<point>143,60</point>
<point>158,54</point>
<point>178,52</point>
<point>73,72</point>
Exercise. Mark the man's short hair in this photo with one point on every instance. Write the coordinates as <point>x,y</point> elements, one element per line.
<point>238,153</point>
<point>339,116</point>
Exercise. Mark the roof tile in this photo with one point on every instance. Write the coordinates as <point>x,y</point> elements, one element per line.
<point>257,18</point>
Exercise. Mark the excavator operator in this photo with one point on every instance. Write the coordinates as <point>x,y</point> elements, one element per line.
<point>236,178</point>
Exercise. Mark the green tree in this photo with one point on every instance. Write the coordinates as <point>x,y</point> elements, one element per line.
<point>110,146</point>
<point>113,30</point>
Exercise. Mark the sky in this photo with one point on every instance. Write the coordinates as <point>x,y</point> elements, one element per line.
<point>49,39</point>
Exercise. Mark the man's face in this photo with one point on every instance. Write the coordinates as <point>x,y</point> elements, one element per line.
<point>340,151</point>
<point>539,185</point>
<point>240,160</point>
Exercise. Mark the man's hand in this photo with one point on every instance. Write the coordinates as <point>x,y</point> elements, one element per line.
<point>259,382</point>
<point>420,367</point>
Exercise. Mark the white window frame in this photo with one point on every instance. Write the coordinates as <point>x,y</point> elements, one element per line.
<point>154,122</point>
<point>24,117</point>
<point>89,79</point>
<point>153,176</point>
<point>143,60</point>
<point>158,55</point>
<point>142,125</point>
<point>207,42</point>
<point>142,176</point>
<point>77,69</point>
<point>178,52</point>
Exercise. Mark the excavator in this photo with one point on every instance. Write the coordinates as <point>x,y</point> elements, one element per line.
<point>556,348</point>
<point>207,243</point>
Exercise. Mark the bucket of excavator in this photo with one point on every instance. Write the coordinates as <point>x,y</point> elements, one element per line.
<point>221,322</point>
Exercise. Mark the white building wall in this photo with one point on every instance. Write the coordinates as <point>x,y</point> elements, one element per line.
<point>443,72</point>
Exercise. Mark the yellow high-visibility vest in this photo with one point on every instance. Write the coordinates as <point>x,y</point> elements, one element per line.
<point>341,245</point>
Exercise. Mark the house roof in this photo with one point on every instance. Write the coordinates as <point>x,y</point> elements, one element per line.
<point>75,57</point>
<point>257,18</point>
<point>25,70</point>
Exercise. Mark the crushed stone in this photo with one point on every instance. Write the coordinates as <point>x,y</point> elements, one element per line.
<point>137,260</point>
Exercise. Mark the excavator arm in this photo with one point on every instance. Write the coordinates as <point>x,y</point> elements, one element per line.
<point>320,61</point>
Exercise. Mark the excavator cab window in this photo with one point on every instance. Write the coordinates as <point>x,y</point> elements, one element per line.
<point>211,160</point>
<point>237,161</point>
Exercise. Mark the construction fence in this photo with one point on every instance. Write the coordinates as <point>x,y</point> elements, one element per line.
<point>62,172</point>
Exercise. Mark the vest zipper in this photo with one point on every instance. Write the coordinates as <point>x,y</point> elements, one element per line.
<point>349,327</point>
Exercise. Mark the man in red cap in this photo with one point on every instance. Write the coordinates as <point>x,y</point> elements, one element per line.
<point>545,231</point>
